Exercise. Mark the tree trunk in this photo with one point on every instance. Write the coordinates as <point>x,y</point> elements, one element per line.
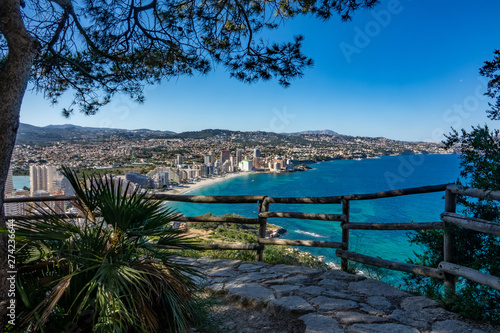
<point>14,75</point>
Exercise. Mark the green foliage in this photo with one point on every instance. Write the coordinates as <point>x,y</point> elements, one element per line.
<point>247,234</point>
<point>491,70</point>
<point>480,168</point>
<point>102,273</point>
<point>115,46</point>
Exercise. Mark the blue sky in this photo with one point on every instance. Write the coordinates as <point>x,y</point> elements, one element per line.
<point>410,75</point>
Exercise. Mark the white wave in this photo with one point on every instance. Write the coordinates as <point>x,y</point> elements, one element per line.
<point>310,233</point>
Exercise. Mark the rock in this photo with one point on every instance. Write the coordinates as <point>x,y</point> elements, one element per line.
<point>337,294</point>
<point>251,294</point>
<point>316,323</point>
<point>287,269</point>
<point>372,311</point>
<point>349,318</point>
<point>418,303</point>
<point>255,277</point>
<point>298,279</point>
<point>274,281</point>
<point>454,326</point>
<point>225,262</point>
<point>435,314</point>
<point>284,290</point>
<point>329,304</point>
<point>336,274</point>
<point>413,319</point>
<point>311,290</point>
<point>381,328</point>
<point>375,288</point>
<point>379,302</point>
<point>217,288</point>
<point>333,284</point>
<point>289,306</point>
<point>222,272</point>
<point>249,267</point>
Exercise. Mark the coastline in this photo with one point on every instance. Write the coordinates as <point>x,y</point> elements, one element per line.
<point>203,182</point>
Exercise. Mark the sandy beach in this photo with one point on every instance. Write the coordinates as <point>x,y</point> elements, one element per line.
<point>185,188</point>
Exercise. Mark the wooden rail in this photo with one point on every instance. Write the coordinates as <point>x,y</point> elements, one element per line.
<point>474,192</point>
<point>446,271</point>
<point>294,242</point>
<point>214,247</point>
<point>472,223</point>
<point>395,226</point>
<point>305,216</point>
<point>218,219</point>
<point>394,265</point>
<point>471,274</point>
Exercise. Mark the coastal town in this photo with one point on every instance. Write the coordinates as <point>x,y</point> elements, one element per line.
<point>162,149</point>
<point>178,163</point>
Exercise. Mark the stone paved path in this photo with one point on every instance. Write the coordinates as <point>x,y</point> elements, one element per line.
<point>331,301</point>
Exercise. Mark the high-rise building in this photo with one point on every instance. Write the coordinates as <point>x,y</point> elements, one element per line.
<point>239,156</point>
<point>61,183</point>
<point>208,159</point>
<point>225,156</point>
<point>42,178</point>
<point>179,159</point>
<point>256,152</point>
<point>9,186</point>
<point>256,162</point>
<point>138,178</point>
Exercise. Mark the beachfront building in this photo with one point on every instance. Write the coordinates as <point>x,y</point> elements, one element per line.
<point>62,184</point>
<point>245,165</point>
<point>226,166</point>
<point>42,178</point>
<point>239,156</point>
<point>208,159</point>
<point>256,162</point>
<point>225,156</point>
<point>138,179</point>
<point>159,176</point>
<point>202,169</point>
<point>256,152</point>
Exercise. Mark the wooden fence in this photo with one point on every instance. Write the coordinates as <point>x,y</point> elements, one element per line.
<point>446,270</point>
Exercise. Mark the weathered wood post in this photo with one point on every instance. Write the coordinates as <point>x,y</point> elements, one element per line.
<point>263,208</point>
<point>450,206</point>
<point>345,233</point>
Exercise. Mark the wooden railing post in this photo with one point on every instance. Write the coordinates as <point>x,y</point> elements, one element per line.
<point>345,233</point>
<point>450,206</point>
<point>263,208</point>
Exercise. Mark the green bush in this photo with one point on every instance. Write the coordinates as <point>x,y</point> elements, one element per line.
<point>480,168</point>
<point>101,273</point>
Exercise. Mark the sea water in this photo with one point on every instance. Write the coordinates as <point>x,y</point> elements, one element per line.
<point>344,177</point>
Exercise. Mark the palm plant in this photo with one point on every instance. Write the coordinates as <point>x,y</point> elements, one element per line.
<point>104,272</point>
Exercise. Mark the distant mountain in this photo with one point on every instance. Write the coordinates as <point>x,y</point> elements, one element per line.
<point>29,134</point>
<point>323,132</point>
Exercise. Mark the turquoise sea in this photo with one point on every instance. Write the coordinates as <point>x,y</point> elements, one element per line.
<point>340,178</point>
